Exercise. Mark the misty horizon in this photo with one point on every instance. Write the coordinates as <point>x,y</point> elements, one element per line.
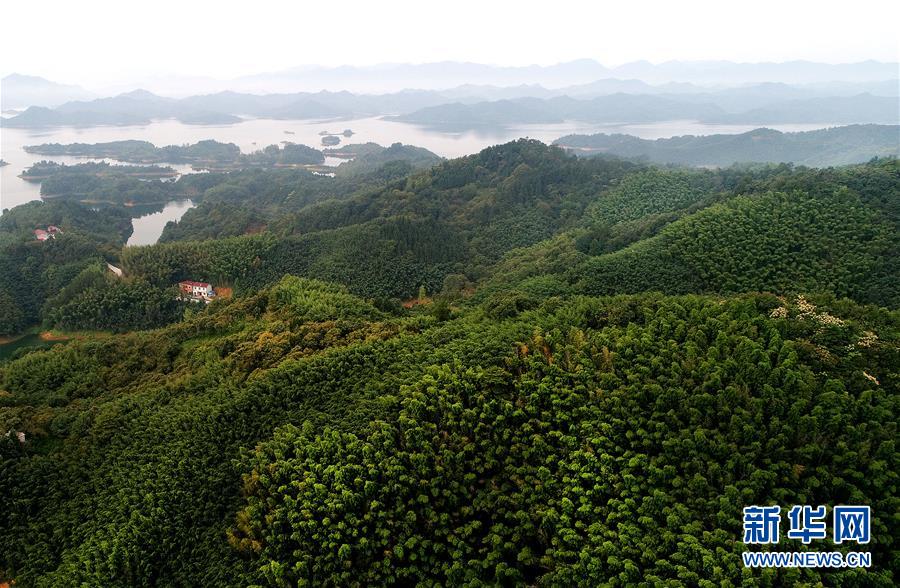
<point>384,78</point>
<point>218,41</point>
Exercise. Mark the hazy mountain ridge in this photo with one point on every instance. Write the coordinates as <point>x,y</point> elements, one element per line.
<point>638,108</point>
<point>755,104</point>
<point>834,146</point>
<point>471,94</point>
<point>863,108</point>
<point>19,91</point>
<point>442,75</point>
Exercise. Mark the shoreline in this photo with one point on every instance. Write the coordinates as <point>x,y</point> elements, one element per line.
<point>43,335</point>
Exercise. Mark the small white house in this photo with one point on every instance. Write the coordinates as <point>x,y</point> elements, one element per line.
<point>197,289</point>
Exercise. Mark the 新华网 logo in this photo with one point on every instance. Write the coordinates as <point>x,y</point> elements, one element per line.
<point>849,523</point>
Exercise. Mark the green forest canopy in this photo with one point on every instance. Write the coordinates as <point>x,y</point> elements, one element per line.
<point>608,361</point>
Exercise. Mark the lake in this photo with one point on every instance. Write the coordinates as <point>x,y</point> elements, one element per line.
<point>149,227</point>
<point>253,134</point>
<point>30,340</point>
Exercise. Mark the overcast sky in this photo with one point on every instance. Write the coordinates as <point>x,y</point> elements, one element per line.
<point>95,42</point>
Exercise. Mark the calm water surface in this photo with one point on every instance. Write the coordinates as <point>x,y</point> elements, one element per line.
<point>31,340</point>
<point>149,227</point>
<point>253,134</point>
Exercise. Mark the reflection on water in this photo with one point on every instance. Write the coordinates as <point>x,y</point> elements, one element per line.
<point>33,340</point>
<point>253,134</point>
<point>149,227</point>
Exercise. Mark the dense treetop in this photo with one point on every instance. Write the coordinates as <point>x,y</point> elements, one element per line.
<point>518,367</point>
<point>587,441</point>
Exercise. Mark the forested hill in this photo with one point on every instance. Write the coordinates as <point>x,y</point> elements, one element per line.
<point>388,232</point>
<point>834,230</point>
<point>463,216</point>
<point>457,218</point>
<point>519,367</point>
<point>825,147</point>
<point>32,271</point>
<point>299,435</point>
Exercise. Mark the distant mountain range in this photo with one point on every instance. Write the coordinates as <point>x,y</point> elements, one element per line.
<point>825,147</point>
<point>449,74</point>
<point>634,77</point>
<point>18,91</point>
<point>644,108</point>
<point>863,108</point>
<point>133,108</point>
<point>633,108</point>
<point>607,100</point>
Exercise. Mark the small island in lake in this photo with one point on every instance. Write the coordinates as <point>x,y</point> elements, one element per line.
<point>346,132</point>
<point>128,185</point>
<point>207,155</point>
<point>331,140</point>
<point>49,169</point>
<point>2,163</point>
